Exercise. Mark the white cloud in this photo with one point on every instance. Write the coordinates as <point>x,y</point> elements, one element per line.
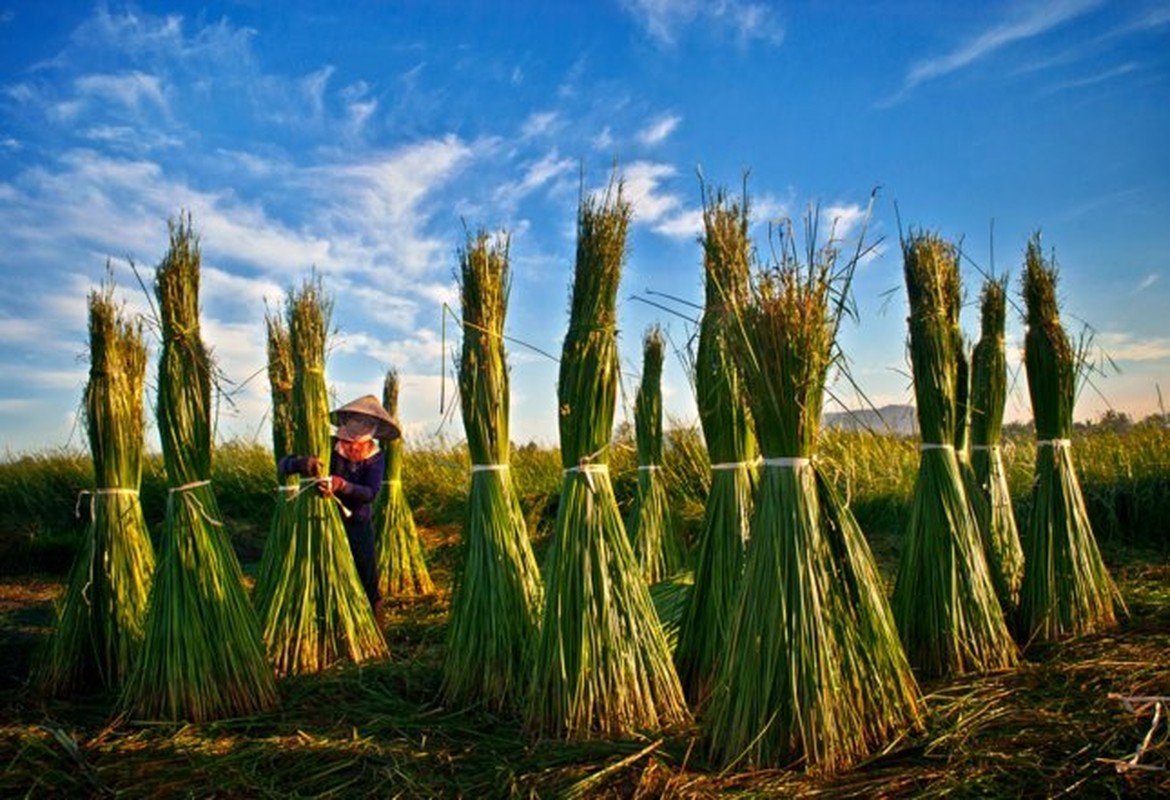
<point>374,209</point>
<point>658,130</point>
<point>1149,281</point>
<point>132,90</point>
<point>665,20</point>
<point>548,168</point>
<point>642,182</point>
<point>603,140</point>
<point>1092,80</point>
<point>538,123</point>
<point>683,225</point>
<point>1035,19</point>
<point>1122,346</point>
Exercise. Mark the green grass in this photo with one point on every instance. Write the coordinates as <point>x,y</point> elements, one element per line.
<point>1125,477</point>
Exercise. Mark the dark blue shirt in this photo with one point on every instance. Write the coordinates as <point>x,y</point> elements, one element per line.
<point>363,481</point>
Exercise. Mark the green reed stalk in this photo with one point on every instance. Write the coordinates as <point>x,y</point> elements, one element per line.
<point>602,664</point>
<point>402,568</point>
<point>202,656</point>
<point>100,617</point>
<point>811,638</point>
<point>318,612</point>
<point>651,524</point>
<point>1066,589</point>
<point>1001,538</point>
<point>944,600</point>
<point>731,445</point>
<point>495,605</point>
<point>280,382</point>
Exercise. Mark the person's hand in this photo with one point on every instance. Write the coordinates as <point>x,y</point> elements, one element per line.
<point>313,466</point>
<point>337,483</point>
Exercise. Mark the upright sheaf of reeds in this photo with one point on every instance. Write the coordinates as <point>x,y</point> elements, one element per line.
<point>318,611</point>
<point>202,657</point>
<point>731,446</point>
<point>280,382</point>
<point>1066,590</point>
<point>100,618</point>
<point>651,529</point>
<point>495,607</point>
<point>1001,538</point>
<point>602,664</point>
<point>812,672</point>
<point>944,601</point>
<point>402,568</point>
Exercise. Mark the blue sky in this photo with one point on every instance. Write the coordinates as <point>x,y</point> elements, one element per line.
<point>359,141</point>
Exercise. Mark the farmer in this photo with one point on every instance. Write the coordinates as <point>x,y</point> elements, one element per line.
<point>356,467</point>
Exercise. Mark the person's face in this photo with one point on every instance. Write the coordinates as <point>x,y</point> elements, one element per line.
<point>355,451</point>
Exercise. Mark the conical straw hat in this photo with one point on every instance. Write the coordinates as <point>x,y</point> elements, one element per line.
<point>364,418</point>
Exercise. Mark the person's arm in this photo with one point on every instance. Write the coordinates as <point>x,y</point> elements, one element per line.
<point>299,465</point>
<point>366,487</point>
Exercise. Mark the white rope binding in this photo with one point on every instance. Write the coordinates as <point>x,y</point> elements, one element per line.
<point>789,462</point>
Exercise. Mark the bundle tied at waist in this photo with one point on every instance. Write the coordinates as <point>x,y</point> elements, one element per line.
<point>787,462</point>
<point>193,501</point>
<point>93,494</point>
<point>323,480</point>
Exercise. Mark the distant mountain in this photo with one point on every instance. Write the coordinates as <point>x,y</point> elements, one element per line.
<point>901,420</point>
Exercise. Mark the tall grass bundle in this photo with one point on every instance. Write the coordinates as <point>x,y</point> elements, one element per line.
<point>731,446</point>
<point>280,382</point>
<point>402,568</point>
<point>202,657</point>
<point>100,618</point>
<point>813,672</point>
<point>651,525</point>
<point>318,611</point>
<point>602,664</point>
<point>1066,590</point>
<point>495,606</point>
<point>1001,538</point>
<point>944,601</point>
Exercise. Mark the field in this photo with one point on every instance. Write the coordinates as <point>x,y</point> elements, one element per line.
<point>1056,726</point>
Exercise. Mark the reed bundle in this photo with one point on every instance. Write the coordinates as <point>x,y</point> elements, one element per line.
<point>602,664</point>
<point>813,672</point>
<point>1066,589</point>
<point>202,656</point>
<point>731,446</point>
<point>944,601</point>
<point>651,525</point>
<point>280,383</point>
<point>495,607</point>
<point>1001,538</point>
<point>402,567</point>
<point>317,611</point>
<point>100,618</point>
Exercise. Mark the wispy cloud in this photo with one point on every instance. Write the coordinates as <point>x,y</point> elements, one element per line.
<point>1148,281</point>
<point>1036,19</point>
<point>548,168</point>
<point>538,123</point>
<point>131,90</point>
<point>745,21</point>
<point>1092,80</point>
<point>1122,346</point>
<point>659,129</point>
